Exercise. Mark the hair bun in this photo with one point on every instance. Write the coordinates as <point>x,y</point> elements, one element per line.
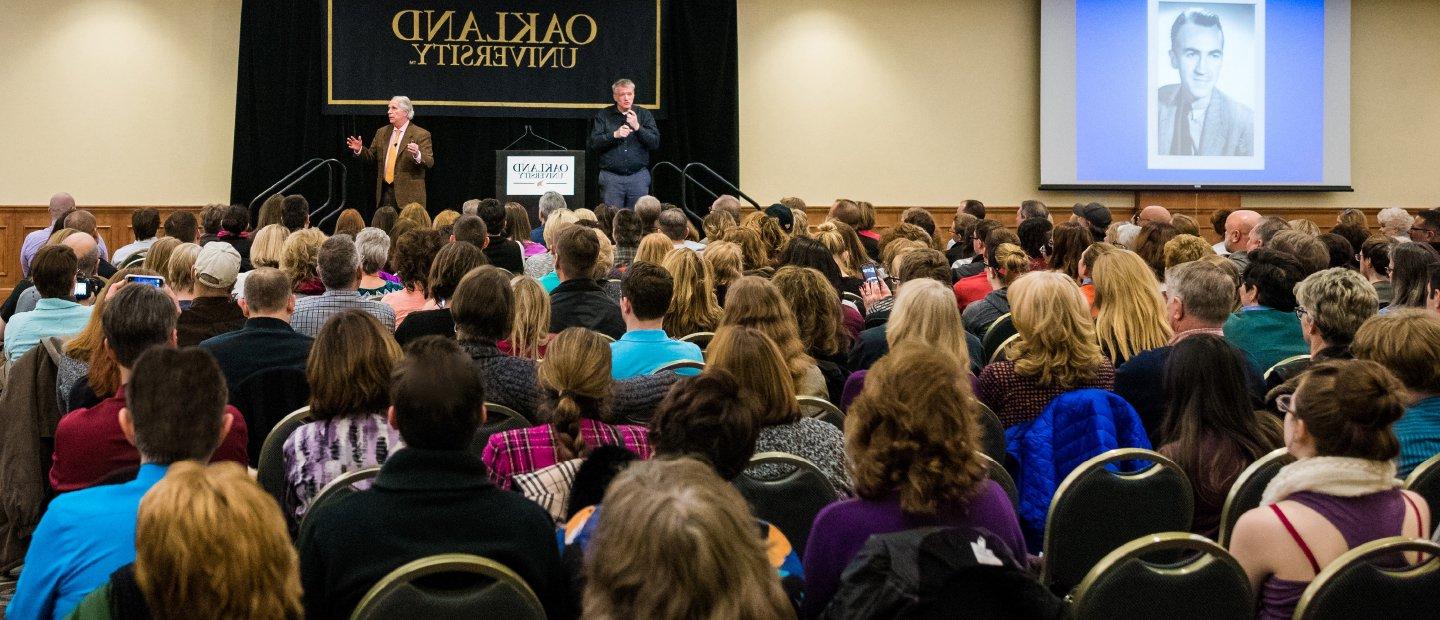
<point>1378,397</point>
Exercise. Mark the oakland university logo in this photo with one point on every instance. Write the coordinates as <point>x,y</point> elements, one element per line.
<point>520,40</point>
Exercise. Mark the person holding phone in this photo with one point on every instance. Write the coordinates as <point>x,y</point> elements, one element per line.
<point>54,273</point>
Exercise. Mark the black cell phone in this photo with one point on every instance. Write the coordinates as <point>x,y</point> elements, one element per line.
<point>82,289</point>
<point>871,273</point>
<point>153,281</point>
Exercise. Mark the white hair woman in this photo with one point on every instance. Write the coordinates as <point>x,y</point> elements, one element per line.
<point>374,247</point>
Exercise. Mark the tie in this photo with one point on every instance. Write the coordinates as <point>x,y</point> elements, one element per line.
<point>390,160</point>
<point>1182,144</point>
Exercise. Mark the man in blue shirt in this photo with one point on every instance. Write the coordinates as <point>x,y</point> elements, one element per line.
<point>644,298</point>
<point>56,314</point>
<point>175,411</point>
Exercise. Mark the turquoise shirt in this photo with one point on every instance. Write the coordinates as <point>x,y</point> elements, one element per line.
<point>52,316</point>
<point>1266,335</point>
<point>1419,434</point>
<point>641,351</point>
<point>550,281</point>
<point>84,536</point>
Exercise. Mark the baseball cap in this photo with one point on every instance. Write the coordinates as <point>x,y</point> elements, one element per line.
<point>782,213</point>
<point>1094,214</point>
<point>217,265</point>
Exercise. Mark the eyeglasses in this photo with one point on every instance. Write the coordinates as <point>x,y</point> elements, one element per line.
<point>1286,404</point>
<point>1425,231</point>
<point>1301,312</point>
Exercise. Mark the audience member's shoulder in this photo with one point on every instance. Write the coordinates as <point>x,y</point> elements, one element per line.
<point>1152,359</point>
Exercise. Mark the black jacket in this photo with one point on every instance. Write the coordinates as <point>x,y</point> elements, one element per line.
<point>425,323</point>
<point>581,302</point>
<point>626,155</point>
<point>262,343</point>
<point>505,254</point>
<point>423,503</point>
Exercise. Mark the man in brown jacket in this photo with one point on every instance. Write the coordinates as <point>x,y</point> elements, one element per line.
<point>401,152</point>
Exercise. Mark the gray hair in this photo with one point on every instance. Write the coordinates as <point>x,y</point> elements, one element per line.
<point>1126,235</point>
<point>470,207</point>
<point>338,261</point>
<point>1338,302</point>
<point>1205,291</point>
<point>550,203</point>
<point>405,105</point>
<point>374,247</point>
<point>1395,221</point>
<point>672,222</point>
<point>1033,209</point>
<point>622,83</point>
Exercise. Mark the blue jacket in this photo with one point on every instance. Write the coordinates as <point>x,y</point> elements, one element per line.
<point>1076,426</point>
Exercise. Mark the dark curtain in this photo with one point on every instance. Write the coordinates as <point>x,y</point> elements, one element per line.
<point>279,124</point>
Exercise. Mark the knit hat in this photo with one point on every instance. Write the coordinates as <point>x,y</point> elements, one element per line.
<point>217,265</point>
<point>782,213</point>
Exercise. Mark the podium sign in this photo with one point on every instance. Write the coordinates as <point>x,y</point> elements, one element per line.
<point>524,175</point>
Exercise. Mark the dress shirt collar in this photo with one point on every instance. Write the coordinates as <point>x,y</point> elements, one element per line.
<point>54,303</point>
<point>1213,331</point>
<point>336,293</point>
<point>645,335</point>
<point>265,323</point>
<point>149,474</point>
<point>419,469</point>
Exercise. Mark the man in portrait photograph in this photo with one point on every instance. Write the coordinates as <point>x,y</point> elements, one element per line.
<point>1196,118</point>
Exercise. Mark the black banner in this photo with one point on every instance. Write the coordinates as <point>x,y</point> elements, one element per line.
<point>553,58</point>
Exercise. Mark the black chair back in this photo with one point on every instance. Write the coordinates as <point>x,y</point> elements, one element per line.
<point>679,364</point>
<point>995,471</point>
<point>1248,488</point>
<point>790,501</point>
<point>1130,583</point>
<point>822,410</point>
<point>266,397</point>
<point>451,585</point>
<point>346,484</point>
<point>1095,511</point>
<point>1425,480</point>
<point>992,432</point>
<point>699,339</point>
<point>270,470</point>
<point>1376,580</point>
<point>995,338</point>
<point>498,419</point>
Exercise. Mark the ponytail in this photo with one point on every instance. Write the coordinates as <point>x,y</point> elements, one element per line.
<point>575,377</point>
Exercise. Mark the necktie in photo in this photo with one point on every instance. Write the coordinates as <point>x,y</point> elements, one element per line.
<point>1183,144</point>
<point>390,159</point>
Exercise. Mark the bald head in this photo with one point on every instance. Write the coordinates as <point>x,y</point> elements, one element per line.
<point>86,250</point>
<point>60,204</point>
<point>1237,229</point>
<point>1154,213</point>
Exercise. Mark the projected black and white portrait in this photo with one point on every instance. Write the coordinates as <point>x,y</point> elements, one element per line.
<point>1207,85</point>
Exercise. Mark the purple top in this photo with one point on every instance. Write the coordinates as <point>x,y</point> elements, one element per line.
<point>841,529</point>
<point>318,452</point>
<point>1359,519</point>
<point>36,240</point>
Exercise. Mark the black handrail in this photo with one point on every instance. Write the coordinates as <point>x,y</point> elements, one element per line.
<point>302,172</point>
<point>684,192</point>
<point>721,179</point>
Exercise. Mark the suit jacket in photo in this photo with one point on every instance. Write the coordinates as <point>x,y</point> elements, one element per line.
<point>409,176</point>
<point>1229,127</point>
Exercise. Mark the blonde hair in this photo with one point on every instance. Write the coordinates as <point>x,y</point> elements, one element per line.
<point>758,365</point>
<point>575,379</point>
<point>653,248</point>
<point>693,307</point>
<point>752,247</point>
<point>1185,248</point>
<point>925,312</point>
<point>1057,345</point>
<point>269,246</point>
<point>1131,316</point>
<point>817,309</point>
<point>891,254</point>
<point>604,256</point>
<point>586,214</point>
<point>753,301</point>
<point>209,538</point>
<point>447,218</point>
<point>558,221</point>
<point>302,252</point>
<point>1305,226</point>
<point>914,431</point>
<point>676,541</point>
<point>801,221</point>
<point>1009,262</point>
<point>157,259</point>
<point>531,327</point>
<point>180,271</point>
<point>725,261</point>
<point>415,212</point>
<point>842,241</point>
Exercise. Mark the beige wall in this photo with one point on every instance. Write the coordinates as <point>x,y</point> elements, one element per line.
<point>913,102</point>
<point>118,102</point>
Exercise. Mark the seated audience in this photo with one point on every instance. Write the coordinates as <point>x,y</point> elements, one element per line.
<point>349,376</point>
<point>1200,297</point>
<point>299,259</point>
<point>1055,353</point>
<point>1332,305</point>
<point>61,205</point>
<point>654,509</point>
<point>415,252</point>
<point>157,259</point>
<point>914,438</point>
<point>1185,248</point>
<point>484,312</point>
<point>212,312</point>
<point>92,444</point>
<point>755,360</point>
<point>1265,327</point>
<point>350,222</point>
<point>431,497</point>
<point>502,249</point>
<point>845,249</point>
<point>1150,246</point>
<point>266,249</point>
<point>145,223</point>
<point>182,226</point>
<point>1407,343</point>
<point>1306,248</point>
<point>87,534</point>
<point>1374,259</point>
<point>530,332</point>
<point>295,212</point>
<point>192,517</point>
<point>451,264</point>
<point>646,292</point>
<point>925,311</point>
<point>819,316</point>
<point>56,313</point>
<point>976,240</point>
<point>575,386</point>
<point>374,247</point>
<point>1211,428</point>
<point>1068,243</point>
<point>755,302</point>
<point>87,372</point>
<point>1236,236</point>
<point>180,273</point>
<point>693,307</point>
<point>266,339</point>
<point>1130,315</point>
<point>673,224</point>
<point>550,203</point>
<point>1339,494</point>
<point>1409,264</point>
<point>1004,263</point>
<point>235,230</point>
<point>972,280</point>
<point>339,267</point>
<point>517,223</point>
<point>1035,241</point>
<point>538,265</point>
<point>580,301</point>
<point>726,261</point>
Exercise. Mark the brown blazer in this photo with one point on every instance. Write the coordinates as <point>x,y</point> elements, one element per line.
<point>409,176</point>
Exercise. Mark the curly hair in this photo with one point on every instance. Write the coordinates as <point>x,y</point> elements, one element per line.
<point>414,254</point>
<point>754,302</point>
<point>817,308</point>
<point>1057,344</point>
<point>301,256</point>
<point>913,431</point>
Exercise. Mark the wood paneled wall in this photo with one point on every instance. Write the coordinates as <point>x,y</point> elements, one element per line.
<point>16,221</point>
